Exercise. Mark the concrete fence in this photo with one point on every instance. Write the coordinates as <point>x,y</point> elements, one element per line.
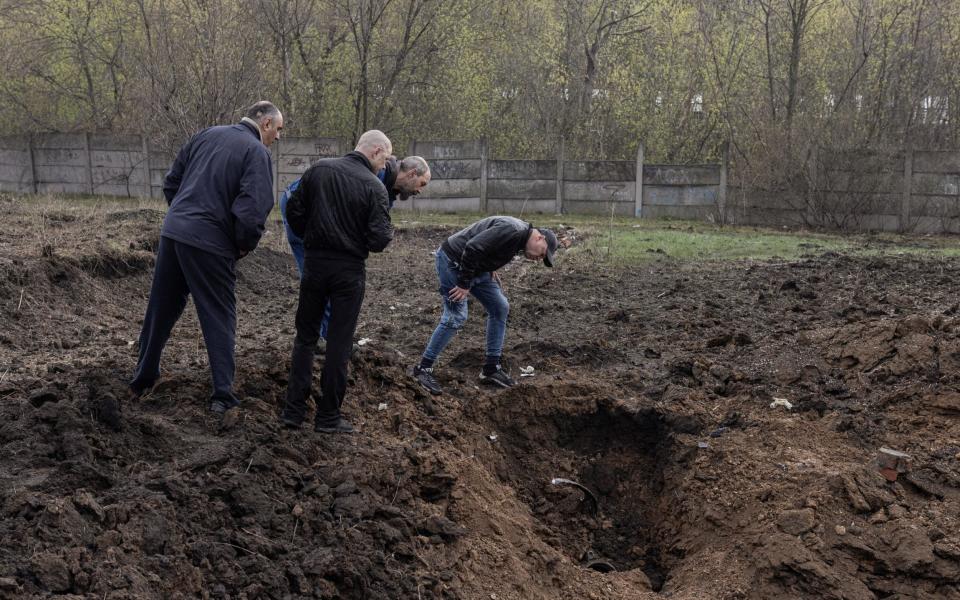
<point>908,191</point>
<point>914,190</point>
<point>465,176</point>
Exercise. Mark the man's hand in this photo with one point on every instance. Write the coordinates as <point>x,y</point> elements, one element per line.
<point>495,275</point>
<point>243,254</point>
<point>458,294</point>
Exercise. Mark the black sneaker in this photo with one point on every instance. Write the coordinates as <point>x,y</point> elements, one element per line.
<point>293,414</point>
<point>341,426</point>
<point>498,377</point>
<point>219,407</point>
<point>426,380</point>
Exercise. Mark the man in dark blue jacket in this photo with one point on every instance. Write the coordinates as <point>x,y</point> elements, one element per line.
<point>340,212</point>
<point>220,191</point>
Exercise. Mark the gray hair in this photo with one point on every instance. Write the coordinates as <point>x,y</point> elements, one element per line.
<point>415,162</point>
<point>373,138</point>
<point>262,110</point>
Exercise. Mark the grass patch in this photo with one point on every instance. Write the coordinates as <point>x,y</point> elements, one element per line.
<point>620,239</point>
<point>629,241</point>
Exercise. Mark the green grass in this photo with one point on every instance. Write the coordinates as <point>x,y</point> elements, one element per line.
<point>631,241</point>
<point>627,240</point>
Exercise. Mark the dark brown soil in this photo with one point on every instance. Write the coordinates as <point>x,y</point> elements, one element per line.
<point>652,388</point>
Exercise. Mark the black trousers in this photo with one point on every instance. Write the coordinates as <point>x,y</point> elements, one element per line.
<point>180,271</point>
<point>342,283</point>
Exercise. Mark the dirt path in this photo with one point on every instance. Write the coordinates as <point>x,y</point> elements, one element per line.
<point>653,388</point>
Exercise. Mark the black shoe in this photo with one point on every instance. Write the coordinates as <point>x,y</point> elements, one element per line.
<point>341,426</point>
<point>498,377</point>
<point>219,407</point>
<point>293,414</point>
<point>426,380</point>
<point>290,421</point>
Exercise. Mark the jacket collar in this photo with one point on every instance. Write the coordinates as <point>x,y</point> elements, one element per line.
<point>252,125</point>
<point>523,241</point>
<point>361,157</point>
<point>392,170</point>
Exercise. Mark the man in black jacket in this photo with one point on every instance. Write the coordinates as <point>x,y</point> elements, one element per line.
<point>220,191</point>
<point>466,264</point>
<point>340,211</point>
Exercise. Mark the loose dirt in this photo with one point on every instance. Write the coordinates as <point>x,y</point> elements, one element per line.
<point>652,388</point>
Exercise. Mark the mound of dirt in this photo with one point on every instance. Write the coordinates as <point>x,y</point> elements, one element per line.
<point>689,431</point>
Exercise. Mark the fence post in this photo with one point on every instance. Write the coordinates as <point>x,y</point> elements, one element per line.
<point>413,152</point>
<point>906,200</point>
<point>484,151</point>
<point>722,191</point>
<point>638,190</point>
<point>147,183</point>
<point>33,166</point>
<point>560,176</point>
<point>813,187</point>
<point>276,172</point>
<point>86,148</point>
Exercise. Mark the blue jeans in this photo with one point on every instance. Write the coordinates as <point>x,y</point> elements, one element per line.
<point>484,289</point>
<point>296,246</point>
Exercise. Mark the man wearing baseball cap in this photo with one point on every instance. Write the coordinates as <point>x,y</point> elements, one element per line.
<point>466,265</point>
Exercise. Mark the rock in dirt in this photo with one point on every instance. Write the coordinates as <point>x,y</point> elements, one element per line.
<point>442,526</point>
<point>108,412</point>
<point>948,548</point>
<point>8,584</point>
<point>796,522</point>
<point>945,401</point>
<point>86,504</point>
<point>52,572</point>
<point>230,418</point>
<point>866,490</point>
<point>912,549</point>
<point>795,567</point>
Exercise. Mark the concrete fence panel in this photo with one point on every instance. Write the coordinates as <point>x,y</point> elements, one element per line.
<point>455,168</point>
<point>522,169</point>
<point>936,161</point>
<point>464,176</point>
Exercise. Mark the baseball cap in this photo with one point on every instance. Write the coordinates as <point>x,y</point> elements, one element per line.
<point>551,245</point>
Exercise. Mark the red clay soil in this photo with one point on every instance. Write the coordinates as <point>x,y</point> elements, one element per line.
<point>653,388</point>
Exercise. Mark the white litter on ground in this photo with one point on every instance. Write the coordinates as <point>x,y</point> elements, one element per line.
<point>781,402</point>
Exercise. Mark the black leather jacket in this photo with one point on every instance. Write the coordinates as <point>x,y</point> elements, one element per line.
<point>340,209</point>
<point>486,245</point>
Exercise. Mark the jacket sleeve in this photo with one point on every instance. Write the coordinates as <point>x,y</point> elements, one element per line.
<point>171,182</point>
<point>379,226</point>
<point>255,200</point>
<point>298,210</point>
<point>481,245</point>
